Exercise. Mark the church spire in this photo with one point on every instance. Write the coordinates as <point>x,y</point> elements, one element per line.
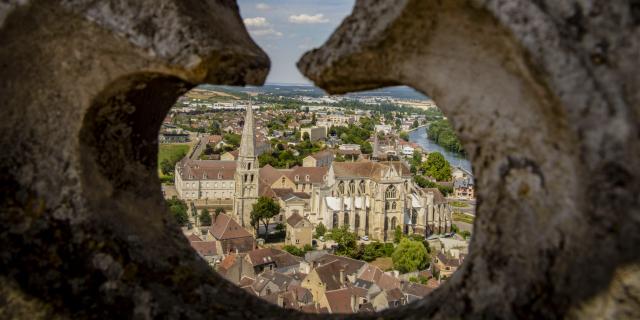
<point>248,142</point>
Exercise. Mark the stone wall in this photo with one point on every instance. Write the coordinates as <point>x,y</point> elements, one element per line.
<point>544,95</point>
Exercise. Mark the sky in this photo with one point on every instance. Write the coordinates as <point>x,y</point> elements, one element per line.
<point>285,29</point>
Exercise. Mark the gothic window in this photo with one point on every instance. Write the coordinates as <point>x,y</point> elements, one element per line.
<point>352,187</point>
<point>251,176</point>
<point>393,205</point>
<point>249,166</point>
<point>346,219</point>
<point>362,188</point>
<point>357,223</point>
<point>341,188</point>
<point>393,223</point>
<point>335,220</point>
<point>391,192</point>
<point>386,205</point>
<point>245,178</point>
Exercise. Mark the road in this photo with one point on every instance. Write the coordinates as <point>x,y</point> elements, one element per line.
<point>198,148</point>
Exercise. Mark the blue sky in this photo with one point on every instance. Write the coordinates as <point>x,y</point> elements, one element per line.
<point>285,29</point>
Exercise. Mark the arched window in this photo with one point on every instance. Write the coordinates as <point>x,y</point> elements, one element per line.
<point>393,205</point>
<point>357,222</point>
<point>346,219</point>
<point>391,192</point>
<point>362,187</point>
<point>352,187</point>
<point>249,166</point>
<point>335,220</point>
<point>386,205</point>
<point>393,223</point>
<point>386,224</point>
<point>341,188</point>
<point>283,181</point>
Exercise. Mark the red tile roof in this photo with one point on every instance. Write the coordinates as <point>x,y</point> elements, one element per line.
<point>205,248</point>
<point>223,228</point>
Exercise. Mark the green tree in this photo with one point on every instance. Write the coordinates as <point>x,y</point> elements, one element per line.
<point>294,250</point>
<point>263,211</point>
<point>437,167</point>
<point>410,256</point>
<point>178,209</point>
<point>166,167</point>
<point>366,147</point>
<point>415,124</point>
<point>320,230</point>
<point>305,136</point>
<point>373,251</point>
<point>217,212</point>
<point>397,234</point>
<point>404,136</point>
<point>205,217</point>
<point>346,241</point>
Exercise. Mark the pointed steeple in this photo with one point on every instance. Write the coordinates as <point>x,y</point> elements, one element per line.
<point>248,142</point>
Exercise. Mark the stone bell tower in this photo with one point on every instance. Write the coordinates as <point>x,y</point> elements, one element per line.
<point>246,177</point>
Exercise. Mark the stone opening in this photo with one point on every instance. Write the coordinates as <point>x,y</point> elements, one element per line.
<point>352,173</point>
<point>573,76</point>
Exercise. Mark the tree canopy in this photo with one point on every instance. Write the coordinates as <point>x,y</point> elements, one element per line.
<point>346,241</point>
<point>205,217</point>
<point>437,167</point>
<point>178,209</point>
<point>442,133</point>
<point>263,211</point>
<point>410,256</point>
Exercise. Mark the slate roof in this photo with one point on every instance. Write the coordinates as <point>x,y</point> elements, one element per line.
<point>329,274</point>
<point>294,219</point>
<point>350,266</point>
<point>438,198</point>
<point>268,255</point>
<point>416,289</point>
<point>321,154</point>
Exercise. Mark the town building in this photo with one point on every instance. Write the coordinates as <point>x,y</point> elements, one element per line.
<point>314,133</point>
<point>299,231</point>
<point>319,159</point>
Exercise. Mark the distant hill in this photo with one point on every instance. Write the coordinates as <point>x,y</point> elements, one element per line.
<point>290,90</point>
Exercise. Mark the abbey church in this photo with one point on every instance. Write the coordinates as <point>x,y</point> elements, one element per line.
<point>368,197</point>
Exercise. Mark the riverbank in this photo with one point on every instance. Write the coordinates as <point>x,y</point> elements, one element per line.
<point>421,137</point>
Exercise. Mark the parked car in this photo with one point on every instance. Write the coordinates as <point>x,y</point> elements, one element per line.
<point>364,238</point>
<point>321,238</point>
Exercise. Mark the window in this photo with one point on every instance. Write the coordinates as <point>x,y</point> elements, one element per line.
<point>393,205</point>
<point>391,192</point>
<point>362,187</point>
<point>297,241</point>
<point>341,188</point>
<point>352,187</point>
<point>249,166</point>
<point>297,177</point>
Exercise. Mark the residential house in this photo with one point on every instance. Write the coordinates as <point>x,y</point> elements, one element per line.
<point>299,231</point>
<point>319,159</point>
<point>232,236</point>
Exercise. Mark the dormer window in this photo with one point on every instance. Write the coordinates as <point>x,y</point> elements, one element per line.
<point>297,178</point>
<point>306,177</point>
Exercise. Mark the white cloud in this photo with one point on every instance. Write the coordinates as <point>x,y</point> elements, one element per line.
<point>266,32</point>
<point>263,6</point>
<point>308,19</point>
<point>258,22</point>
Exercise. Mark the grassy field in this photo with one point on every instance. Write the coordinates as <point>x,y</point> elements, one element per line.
<point>462,217</point>
<point>459,204</point>
<point>384,263</point>
<point>172,152</point>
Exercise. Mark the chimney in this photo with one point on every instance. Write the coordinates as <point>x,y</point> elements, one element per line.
<point>280,300</point>
<point>354,302</point>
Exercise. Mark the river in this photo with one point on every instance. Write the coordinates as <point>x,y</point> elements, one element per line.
<point>421,137</point>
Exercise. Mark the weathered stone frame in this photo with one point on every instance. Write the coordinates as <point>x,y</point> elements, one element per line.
<point>553,138</point>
